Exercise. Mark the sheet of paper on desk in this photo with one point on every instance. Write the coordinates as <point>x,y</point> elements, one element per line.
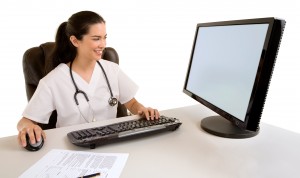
<point>66,163</point>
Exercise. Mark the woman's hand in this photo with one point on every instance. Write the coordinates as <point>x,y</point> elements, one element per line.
<point>35,132</point>
<point>149,113</point>
<point>137,108</point>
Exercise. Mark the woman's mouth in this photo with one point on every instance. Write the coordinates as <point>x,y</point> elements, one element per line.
<point>99,52</point>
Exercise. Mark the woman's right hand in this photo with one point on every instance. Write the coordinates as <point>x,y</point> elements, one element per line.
<point>34,131</point>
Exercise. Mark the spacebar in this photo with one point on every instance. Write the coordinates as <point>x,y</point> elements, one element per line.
<point>141,130</point>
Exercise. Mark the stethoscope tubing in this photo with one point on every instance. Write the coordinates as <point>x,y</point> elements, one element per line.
<point>112,101</point>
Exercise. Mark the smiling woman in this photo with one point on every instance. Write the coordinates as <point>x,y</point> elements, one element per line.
<point>77,55</point>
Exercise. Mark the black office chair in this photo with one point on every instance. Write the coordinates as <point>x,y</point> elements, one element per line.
<point>37,62</point>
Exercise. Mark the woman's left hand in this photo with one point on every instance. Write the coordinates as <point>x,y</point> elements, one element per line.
<point>149,113</point>
<point>137,108</point>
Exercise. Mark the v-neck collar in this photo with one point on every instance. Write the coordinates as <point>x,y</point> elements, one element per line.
<point>80,82</point>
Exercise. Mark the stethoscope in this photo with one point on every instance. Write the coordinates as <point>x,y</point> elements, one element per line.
<point>112,101</point>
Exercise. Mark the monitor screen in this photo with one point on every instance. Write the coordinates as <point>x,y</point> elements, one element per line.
<point>229,72</point>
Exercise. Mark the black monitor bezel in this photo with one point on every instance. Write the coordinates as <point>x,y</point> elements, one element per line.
<point>263,76</point>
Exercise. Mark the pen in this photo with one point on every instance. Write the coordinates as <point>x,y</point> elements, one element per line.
<point>91,175</point>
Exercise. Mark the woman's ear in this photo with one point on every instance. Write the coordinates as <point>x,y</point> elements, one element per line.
<point>74,40</point>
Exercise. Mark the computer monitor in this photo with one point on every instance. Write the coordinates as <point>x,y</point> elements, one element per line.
<point>229,72</point>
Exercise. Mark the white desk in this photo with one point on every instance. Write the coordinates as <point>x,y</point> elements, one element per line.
<point>188,152</point>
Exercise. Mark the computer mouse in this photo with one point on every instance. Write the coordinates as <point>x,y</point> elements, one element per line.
<point>33,147</point>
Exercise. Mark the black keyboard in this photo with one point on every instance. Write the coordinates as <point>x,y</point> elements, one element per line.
<point>92,137</point>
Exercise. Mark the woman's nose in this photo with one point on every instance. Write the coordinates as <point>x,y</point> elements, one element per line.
<point>102,43</point>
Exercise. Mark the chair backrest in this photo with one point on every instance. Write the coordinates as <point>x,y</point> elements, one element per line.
<point>37,61</point>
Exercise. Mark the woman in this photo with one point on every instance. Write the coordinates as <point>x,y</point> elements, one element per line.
<point>98,84</point>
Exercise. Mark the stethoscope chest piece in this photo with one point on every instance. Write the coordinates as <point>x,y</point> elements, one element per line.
<point>112,101</point>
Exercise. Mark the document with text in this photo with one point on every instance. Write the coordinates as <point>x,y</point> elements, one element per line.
<point>72,164</point>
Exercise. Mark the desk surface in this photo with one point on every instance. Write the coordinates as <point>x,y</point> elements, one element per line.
<point>187,152</point>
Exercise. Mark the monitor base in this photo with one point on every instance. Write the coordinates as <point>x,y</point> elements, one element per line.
<point>221,127</point>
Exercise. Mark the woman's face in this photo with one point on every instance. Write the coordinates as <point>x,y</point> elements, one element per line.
<point>93,43</point>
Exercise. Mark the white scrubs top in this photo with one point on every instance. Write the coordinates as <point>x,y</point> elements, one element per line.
<point>56,92</point>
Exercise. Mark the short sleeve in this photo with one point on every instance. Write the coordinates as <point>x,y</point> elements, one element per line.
<point>127,87</point>
<point>40,106</point>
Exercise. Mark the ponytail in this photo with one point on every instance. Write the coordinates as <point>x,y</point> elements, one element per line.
<point>64,51</point>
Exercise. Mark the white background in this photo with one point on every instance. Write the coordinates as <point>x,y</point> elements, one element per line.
<point>154,40</point>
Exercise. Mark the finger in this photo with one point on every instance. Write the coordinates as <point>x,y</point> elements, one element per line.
<point>38,133</point>
<point>140,113</point>
<point>146,113</point>
<point>31,135</point>
<point>152,113</point>
<point>22,138</point>
<point>143,115</point>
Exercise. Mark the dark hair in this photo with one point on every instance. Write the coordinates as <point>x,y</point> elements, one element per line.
<point>77,25</point>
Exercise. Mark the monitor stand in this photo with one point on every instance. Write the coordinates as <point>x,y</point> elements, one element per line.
<point>221,127</point>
